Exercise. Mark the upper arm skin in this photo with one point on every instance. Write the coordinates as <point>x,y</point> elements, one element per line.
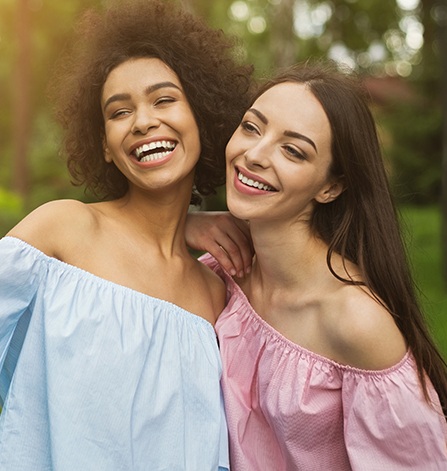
<point>54,226</point>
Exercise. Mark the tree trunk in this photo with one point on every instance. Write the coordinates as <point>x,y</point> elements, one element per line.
<point>21,100</point>
<point>283,40</point>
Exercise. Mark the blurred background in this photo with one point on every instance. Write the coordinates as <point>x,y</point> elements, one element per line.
<point>399,47</point>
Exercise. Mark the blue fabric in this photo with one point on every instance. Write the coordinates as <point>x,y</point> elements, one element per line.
<point>96,376</point>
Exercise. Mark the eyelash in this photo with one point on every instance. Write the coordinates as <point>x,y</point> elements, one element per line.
<point>164,99</point>
<point>159,101</point>
<point>249,127</point>
<point>119,113</point>
<point>294,153</point>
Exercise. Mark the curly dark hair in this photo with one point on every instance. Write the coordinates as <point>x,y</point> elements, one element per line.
<point>217,86</point>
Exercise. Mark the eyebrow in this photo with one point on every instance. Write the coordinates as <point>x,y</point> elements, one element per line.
<point>148,91</point>
<point>297,135</point>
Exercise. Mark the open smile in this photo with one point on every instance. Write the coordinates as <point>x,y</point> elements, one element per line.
<point>253,183</point>
<point>154,150</point>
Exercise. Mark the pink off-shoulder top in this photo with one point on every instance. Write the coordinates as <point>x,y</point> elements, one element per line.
<point>289,409</point>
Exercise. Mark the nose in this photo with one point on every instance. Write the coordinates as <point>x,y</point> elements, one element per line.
<point>258,155</point>
<point>144,120</point>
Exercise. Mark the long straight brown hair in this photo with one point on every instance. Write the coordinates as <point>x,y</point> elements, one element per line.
<point>362,223</point>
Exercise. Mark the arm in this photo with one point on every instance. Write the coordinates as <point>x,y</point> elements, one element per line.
<point>19,281</point>
<point>223,236</point>
<point>388,423</point>
<point>48,230</point>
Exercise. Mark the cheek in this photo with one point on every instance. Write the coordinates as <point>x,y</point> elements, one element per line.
<point>195,133</point>
<point>231,150</point>
<point>228,151</point>
<point>113,133</point>
<point>196,143</point>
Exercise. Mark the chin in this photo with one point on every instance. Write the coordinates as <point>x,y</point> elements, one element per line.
<point>237,210</point>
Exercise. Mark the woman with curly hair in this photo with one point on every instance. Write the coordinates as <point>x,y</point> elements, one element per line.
<point>108,355</point>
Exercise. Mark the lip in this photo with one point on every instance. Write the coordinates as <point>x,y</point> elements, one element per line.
<point>250,190</point>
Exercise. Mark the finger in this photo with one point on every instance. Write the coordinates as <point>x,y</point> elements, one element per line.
<point>222,256</point>
<point>239,250</point>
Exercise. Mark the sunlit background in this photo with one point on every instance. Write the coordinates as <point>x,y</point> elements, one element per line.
<point>394,52</point>
<point>395,44</point>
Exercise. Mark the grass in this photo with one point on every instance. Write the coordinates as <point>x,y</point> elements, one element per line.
<point>422,226</point>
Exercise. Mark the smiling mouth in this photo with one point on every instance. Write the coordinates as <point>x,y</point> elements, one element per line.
<point>154,150</point>
<point>254,183</point>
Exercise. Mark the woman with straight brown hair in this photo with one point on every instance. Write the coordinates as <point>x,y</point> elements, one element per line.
<point>328,362</point>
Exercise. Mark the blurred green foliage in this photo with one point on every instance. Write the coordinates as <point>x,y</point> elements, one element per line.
<point>416,151</point>
<point>11,210</point>
<point>422,230</point>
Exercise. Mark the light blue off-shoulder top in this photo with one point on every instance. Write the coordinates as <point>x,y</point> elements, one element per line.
<point>98,377</point>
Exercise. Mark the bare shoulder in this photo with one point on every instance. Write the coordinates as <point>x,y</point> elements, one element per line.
<point>362,332</point>
<point>54,225</point>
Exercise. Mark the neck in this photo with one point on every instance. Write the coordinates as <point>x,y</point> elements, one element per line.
<point>288,256</point>
<point>158,219</point>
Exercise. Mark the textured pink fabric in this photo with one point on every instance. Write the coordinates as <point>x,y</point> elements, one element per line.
<point>290,409</point>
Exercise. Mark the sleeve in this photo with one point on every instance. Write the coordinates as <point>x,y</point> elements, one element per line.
<point>388,423</point>
<point>18,285</point>
<point>208,260</point>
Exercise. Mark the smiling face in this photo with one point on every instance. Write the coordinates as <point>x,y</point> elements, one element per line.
<point>150,131</point>
<point>278,159</point>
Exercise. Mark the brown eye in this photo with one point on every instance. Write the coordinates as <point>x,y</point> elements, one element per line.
<point>164,100</point>
<point>249,127</point>
<point>295,153</point>
<point>119,113</point>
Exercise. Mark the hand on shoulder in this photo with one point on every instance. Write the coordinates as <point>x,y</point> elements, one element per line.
<point>223,236</point>
<point>364,334</point>
<point>55,226</point>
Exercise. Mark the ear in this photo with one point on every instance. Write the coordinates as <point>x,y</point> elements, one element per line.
<point>331,191</point>
<point>107,155</point>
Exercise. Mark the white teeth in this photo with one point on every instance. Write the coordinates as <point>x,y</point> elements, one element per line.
<point>151,146</point>
<point>156,156</point>
<point>254,183</point>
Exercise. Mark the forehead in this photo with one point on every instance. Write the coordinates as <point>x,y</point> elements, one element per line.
<point>139,72</point>
<point>293,106</point>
